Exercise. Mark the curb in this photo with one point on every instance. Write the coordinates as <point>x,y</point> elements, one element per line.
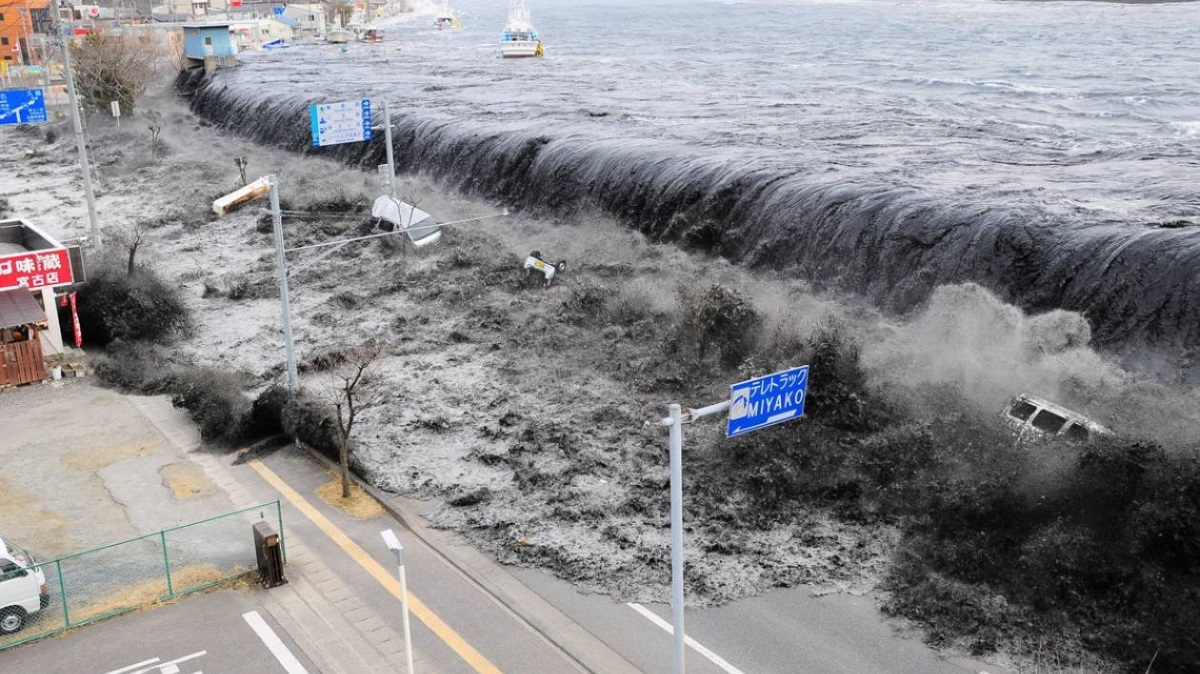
<point>581,647</point>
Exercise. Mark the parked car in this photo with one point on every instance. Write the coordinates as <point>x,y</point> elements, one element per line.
<point>1031,416</point>
<point>22,587</point>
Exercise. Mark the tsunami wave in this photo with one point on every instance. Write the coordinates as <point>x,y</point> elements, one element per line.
<point>1137,285</point>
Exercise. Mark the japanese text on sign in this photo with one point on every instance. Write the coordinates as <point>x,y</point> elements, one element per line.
<point>39,269</point>
<point>767,400</point>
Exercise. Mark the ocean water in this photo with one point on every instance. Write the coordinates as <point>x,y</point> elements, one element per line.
<point>1047,150</point>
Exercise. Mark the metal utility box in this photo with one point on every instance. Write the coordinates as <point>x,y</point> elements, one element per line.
<point>270,555</point>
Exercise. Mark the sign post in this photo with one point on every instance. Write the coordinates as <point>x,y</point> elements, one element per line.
<point>116,112</point>
<point>342,122</point>
<point>23,106</point>
<point>752,405</point>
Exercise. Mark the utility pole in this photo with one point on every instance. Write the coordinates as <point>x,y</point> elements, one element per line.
<point>80,137</point>
<point>281,263</point>
<point>387,125</point>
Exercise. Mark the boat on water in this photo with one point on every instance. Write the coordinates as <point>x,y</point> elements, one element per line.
<point>339,36</point>
<point>370,35</point>
<point>520,38</point>
<point>446,19</point>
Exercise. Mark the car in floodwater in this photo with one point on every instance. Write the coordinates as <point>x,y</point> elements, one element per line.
<point>1033,417</point>
<point>405,219</point>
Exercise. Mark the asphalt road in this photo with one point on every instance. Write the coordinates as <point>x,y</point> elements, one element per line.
<point>481,621</point>
<point>781,632</point>
<point>202,634</point>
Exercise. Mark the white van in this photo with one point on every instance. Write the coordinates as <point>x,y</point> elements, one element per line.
<point>398,216</point>
<point>22,587</point>
<point>1031,416</point>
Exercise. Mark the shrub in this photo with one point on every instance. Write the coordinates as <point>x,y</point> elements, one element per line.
<point>266,413</point>
<point>116,67</point>
<point>138,368</point>
<point>214,400</point>
<point>311,421</point>
<point>140,306</point>
<point>717,320</point>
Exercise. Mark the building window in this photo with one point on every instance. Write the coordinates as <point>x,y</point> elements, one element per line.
<point>3,40</point>
<point>208,42</point>
<point>1,16</point>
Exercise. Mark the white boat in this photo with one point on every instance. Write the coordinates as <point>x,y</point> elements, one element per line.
<point>446,18</point>
<point>520,38</point>
<point>339,36</point>
<point>370,35</point>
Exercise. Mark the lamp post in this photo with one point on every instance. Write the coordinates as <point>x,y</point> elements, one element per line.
<point>393,543</point>
<point>269,185</point>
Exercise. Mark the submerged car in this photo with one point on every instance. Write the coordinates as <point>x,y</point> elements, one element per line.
<point>393,215</point>
<point>1036,417</point>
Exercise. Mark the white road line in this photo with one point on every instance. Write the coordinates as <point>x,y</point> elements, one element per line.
<point>696,645</point>
<point>161,666</point>
<point>274,643</point>
<point>143,663</point>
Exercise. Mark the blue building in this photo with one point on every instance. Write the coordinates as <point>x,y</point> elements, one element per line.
<point>209,45</point>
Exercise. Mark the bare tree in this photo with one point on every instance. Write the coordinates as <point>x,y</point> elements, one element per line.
<point>357,387</point>
<point>155,126</point>
<point>116,67</point>
<point>131,239</point>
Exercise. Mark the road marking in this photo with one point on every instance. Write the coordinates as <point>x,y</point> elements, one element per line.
<point>696,645</point>
<point>169,667</point>
<point>418,608</point>
<point>274,643</point>
<point>143,663</point>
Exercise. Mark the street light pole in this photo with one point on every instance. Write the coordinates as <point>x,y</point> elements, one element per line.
<point>676,418</point>
<point>393,543</point>
<point>281,263</point>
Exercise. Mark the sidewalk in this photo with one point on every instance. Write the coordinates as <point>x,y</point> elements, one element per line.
<point>332,624</point>
<point>337,622</point>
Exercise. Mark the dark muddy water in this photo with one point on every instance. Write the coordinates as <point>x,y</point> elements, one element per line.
<point>1050,151</point>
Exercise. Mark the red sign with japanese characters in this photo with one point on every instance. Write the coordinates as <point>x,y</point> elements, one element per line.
<point>39,269</point>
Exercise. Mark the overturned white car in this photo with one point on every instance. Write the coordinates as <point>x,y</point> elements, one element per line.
<point>393,215</point>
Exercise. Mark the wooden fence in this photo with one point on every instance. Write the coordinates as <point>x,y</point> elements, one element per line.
<point>21,363</point>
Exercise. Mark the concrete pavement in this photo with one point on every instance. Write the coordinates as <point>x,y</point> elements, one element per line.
<point>334,608</point>
<point>330,621</point>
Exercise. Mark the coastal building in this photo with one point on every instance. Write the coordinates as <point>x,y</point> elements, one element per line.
<point>24,25</point>
<point>209,45</point>
<point>310,17</point>
<point>32,266</point>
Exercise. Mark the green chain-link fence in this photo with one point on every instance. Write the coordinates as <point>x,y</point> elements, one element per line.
<point>44,598</point>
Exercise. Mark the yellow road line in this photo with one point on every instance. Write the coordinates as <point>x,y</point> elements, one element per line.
<point>415,606</point>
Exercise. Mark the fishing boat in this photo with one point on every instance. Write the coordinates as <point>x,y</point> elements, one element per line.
<point>339,36</point>
<point>446,18</point>
<point>370,35</point>
<point>520,38</point>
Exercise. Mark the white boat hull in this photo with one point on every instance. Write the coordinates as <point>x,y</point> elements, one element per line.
<point>519,49</point>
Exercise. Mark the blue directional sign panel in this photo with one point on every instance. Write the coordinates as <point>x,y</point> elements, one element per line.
<point>22,106</point>
<point>344,122</point>
<point>278,10</point>
<point>767,401</point>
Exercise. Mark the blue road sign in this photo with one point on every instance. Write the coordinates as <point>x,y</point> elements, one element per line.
<point>278,10</point>
<point>22,106</point>
<point>766,401</point>
<point>344,122</point>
